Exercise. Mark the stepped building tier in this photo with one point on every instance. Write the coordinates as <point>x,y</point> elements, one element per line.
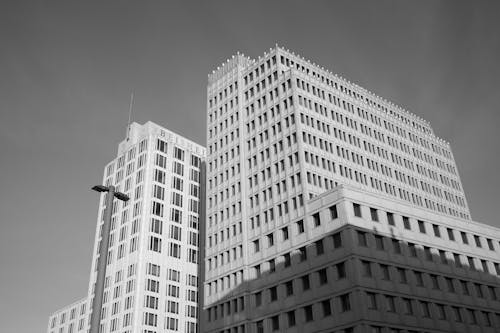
<point>330,209</point>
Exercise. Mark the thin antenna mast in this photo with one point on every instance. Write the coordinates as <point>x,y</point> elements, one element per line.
<point>131,106</point>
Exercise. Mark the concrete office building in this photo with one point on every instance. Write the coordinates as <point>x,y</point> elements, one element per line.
<point>152,275</point>
<point>330,209</point>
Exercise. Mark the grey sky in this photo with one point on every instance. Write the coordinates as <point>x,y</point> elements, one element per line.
<point>67,69</point>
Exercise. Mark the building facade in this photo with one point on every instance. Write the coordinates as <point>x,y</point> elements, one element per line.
<point>152,274</point>
<point>282,135</point>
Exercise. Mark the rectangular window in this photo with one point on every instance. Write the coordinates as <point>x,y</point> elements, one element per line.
<point>465,287</point>
<point>160,161</point>
<point>456,258</point>
<point>258,298</point>
<point>412,249</point>
<point>273,293</point>
<point>150,319</point>
<point>479,290</point>
<point>174,275</point>
<point>305,282</point>
<point>337,240</point>
<point>419,279</point>
<point>471,263</point>
<point>434,281</point>
<point>366,268</point>
<point>384,269</point>
<point>256,245</point>
<point>396,246</point>
<point>300,226</point>
<point>175,232</point>
<point>155,244</point>
<point>291,318</point>
<point>173,291</point>
<point>477,240</point>
<point>289,288</point>
<point>333,212</point>
<point>270,239</point>
<point>303,253</point>
<point>179,154</point>
<point>308,313</point>
<point>345,302</point>
<point>441,312</point>
<point>406,223</point>
<point>327,308</point>
<point>437,233</point>
<point>156,226</point>
<point>379,242</point>
<point>153,269</point>
<point>362,241</point>
<point>195,161</point>
<point>487,321</point>
<point>177,183</point>
<point>472,316</point>
<point>158,192</point>
<point>341,272</point>
<point>174,250</point>
<point>288,260</point>
<point>320,249</point>
<point>464,237</point>
<point>372,300</point>
<point>428,253</point>
<point>323,277</point>
<point>421,226</point>
<point>391,303</point>
<point>407,306</point>
<point>402,276</point>
<point>357,209</point>
<point>157,209</point>
<point>284,232</point>
<point>275,323</point>
<point>259,326</point>
<point>374,214</point>
<point>390,218</point>
<point>176,199</point>
<point>176,215</point>
<point>161,146</point>
<point>449,284</point>
<point>426,313</point>
<point>178,168</point>
<point>451,236</point>
<point>159,176</point>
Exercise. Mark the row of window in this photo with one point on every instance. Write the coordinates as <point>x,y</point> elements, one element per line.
<point>374,165</point>
<point>428,309</point>
<point>429,228</point>
<point>225,257</point>
<point>225,282</point>
<point>386,187</point>
<point>397,274</point>
<point>308,313</point>
<point>237,229</point>
<point>373,133</point>
<point>328,80</point>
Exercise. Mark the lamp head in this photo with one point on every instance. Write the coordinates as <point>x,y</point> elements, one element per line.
<point>100,188</point>
<point>121,196</point>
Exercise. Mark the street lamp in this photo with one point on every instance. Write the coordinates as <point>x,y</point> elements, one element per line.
<point>103,254</point>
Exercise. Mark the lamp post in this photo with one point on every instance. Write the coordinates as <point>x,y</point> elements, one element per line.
<point>103,254</point>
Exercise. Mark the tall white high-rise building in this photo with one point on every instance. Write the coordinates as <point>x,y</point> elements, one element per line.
<point>328,206</point>
<point>152,274</point>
